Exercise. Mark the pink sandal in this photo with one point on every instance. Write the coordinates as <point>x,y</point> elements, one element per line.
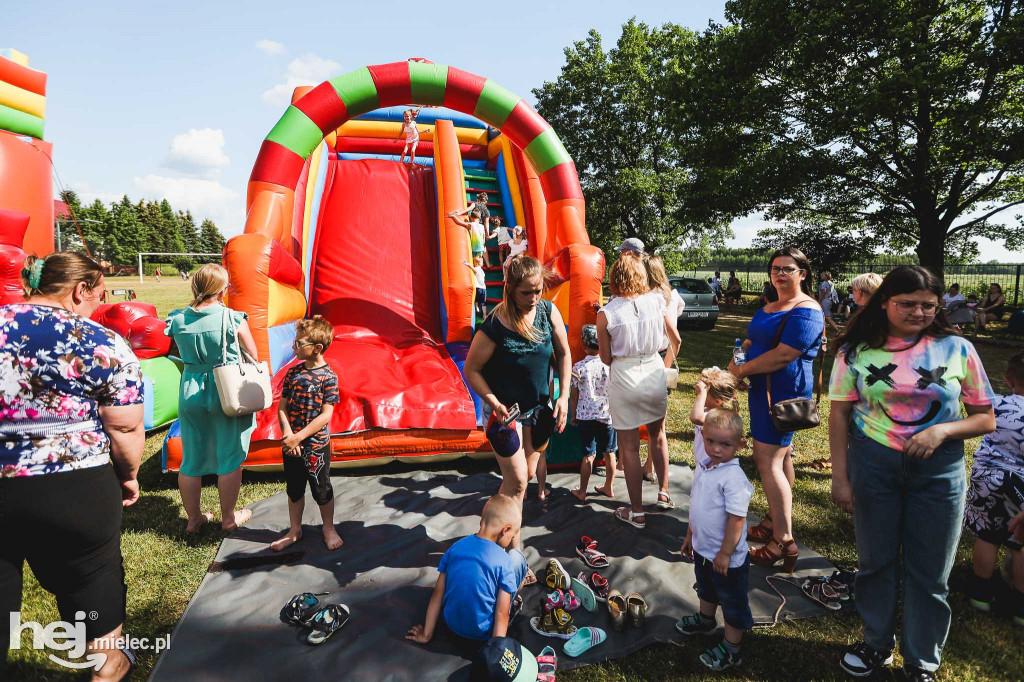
<point>562,600</point>
<point>587,550</point>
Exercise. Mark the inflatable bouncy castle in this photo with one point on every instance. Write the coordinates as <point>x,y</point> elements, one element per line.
<point>26,188</point>
<point>335,226</point>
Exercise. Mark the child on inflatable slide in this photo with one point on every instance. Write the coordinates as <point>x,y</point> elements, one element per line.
<point>412,135</point>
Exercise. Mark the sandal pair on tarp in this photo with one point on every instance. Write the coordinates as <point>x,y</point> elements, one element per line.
<point>324,620</point>
<point>584,640</point>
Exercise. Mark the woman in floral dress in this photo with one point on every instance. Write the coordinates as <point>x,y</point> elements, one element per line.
<point>71,439</point>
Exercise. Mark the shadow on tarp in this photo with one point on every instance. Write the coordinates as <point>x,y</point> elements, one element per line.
<point>395,528</point>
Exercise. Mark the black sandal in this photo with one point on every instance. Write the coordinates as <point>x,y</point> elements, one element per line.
<point>301,608</point>
<point>326,622</point>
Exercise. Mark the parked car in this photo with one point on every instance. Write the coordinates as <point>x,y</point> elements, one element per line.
<point>701,309</point>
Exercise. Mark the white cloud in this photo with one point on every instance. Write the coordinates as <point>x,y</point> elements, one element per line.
<point>310,69</point>
<point>271,47</point>
<point>198,152</point>
<point>205,198</point>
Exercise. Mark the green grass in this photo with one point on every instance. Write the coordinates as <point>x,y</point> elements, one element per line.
<point>164,568</point>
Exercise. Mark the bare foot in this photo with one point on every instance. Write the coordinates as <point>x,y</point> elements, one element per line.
<point>287,540</point>
<point>579,494</point>
<point>331,538</point>
<point>608,492</point>
<point>203,518</point>
<point>240,519</point>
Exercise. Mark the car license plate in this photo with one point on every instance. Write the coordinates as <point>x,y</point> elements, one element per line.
<point>704,314</point>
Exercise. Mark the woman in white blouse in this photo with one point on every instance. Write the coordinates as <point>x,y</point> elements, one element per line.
<point>630,331</point>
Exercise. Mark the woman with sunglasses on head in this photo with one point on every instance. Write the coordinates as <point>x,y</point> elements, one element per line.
<point>897,441</point>
<point>788,357</point>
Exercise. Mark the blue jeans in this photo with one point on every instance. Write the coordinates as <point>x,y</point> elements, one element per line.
<point>908,516</point>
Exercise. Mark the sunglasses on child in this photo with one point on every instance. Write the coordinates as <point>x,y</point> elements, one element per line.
<point>296,342</point>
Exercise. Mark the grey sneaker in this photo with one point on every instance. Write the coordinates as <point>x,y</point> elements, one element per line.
<point>696,624</point>
<point>719,658</point>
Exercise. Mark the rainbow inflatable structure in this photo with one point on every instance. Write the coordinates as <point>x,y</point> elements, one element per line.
<point>336,227</point>
<point>26,186</point>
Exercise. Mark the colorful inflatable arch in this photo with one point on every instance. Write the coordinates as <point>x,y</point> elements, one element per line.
<point>335,227</point>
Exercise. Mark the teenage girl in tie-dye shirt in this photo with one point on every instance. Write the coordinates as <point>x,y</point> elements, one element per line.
<point>896,437</point>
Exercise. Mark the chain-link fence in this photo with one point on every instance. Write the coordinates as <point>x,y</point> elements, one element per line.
<point>973,279</point>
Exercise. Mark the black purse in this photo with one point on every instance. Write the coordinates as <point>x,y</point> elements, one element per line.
<point>796,414</point>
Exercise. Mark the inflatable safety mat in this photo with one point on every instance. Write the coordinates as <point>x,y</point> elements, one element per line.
<point>395,529</point>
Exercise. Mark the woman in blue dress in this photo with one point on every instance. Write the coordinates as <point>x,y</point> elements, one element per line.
<point>791,367</point>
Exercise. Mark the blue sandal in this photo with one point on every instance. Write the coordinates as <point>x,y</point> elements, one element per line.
<point>326,622</point>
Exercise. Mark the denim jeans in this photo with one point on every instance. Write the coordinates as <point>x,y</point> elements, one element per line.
<point>908,516</point>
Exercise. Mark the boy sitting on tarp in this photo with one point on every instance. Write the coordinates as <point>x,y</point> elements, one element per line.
<point>479,576</point>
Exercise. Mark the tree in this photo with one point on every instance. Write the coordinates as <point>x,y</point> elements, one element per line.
<point>611,113</point>
<point>173,240</point>
<point>126,232</point>
<point>825,247</point>
<point>210,238</point>
<point>901,117</point>
<point>187,229</point>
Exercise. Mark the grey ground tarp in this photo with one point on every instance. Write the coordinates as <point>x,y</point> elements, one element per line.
<point>395,529</point>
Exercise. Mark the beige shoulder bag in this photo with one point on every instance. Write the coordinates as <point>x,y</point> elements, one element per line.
<point>243,386</point>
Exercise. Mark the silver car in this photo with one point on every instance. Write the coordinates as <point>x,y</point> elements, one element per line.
<point>701,309</point>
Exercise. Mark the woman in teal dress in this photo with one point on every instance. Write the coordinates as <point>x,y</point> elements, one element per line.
<point>212,442</point>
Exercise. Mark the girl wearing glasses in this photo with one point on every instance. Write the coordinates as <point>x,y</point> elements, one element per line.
<point>897,442</point>
<point>790,365</point>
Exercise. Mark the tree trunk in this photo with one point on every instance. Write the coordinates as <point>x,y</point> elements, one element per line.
<point>931,249</point>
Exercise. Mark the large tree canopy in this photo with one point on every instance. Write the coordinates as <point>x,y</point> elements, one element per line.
<point>899,117</point>
<point>613,112</point>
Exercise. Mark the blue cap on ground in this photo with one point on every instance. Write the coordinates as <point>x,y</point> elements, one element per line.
<point>503,659</point>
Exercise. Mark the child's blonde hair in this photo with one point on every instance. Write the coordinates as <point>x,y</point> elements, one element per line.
<point>474,214</point>
<point>208,282</point>
<point>727,420</point>
<point>722,386</point>
<point>317,330</point>
<point>501,510</point>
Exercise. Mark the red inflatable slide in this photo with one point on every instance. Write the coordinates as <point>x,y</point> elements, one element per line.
<point>374,277</point>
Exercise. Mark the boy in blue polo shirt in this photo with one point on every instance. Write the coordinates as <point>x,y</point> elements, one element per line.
<point>479,576</point>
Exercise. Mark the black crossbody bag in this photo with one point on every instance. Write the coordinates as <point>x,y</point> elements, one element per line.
<point>795,414</point>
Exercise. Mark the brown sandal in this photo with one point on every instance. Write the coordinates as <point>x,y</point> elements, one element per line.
<point>788,554</point>
<point>760,532</point>
<point>823,464</point>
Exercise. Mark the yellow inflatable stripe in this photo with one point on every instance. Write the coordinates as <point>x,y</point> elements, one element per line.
<point>314,167</point>
<point>513,183</point>
<point>15,56</point>
<point>387,130</point>
<point>284,304</point>
<point>16,98</point>
<point>560,297</point>
<point>494,147</point>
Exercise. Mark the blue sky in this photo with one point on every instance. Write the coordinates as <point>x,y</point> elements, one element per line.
<point>172,99</point>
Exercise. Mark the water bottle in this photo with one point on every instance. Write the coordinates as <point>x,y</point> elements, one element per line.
<point>739,356</point>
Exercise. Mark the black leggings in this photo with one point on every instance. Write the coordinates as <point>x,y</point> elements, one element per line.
<point>68,527</point>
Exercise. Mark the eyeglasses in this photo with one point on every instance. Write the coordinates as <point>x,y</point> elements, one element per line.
<point>908,307</point>
<point>296,342</point>
<point>788,270</point>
